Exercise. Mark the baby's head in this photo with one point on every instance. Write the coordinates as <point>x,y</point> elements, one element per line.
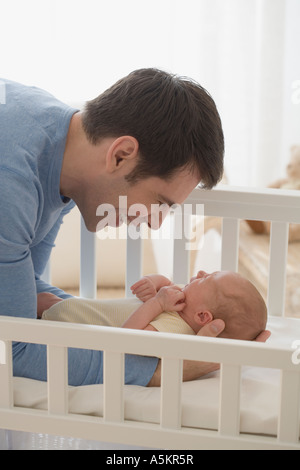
<point>228,296</point>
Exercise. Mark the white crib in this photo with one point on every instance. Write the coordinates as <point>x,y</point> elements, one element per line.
<point>114,423</point>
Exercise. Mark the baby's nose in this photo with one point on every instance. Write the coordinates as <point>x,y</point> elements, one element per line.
<point>201,274</point>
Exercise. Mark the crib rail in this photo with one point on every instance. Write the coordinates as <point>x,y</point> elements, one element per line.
<point>279,207</point>
<point>232,205</point>
<point>248,203</point>
<point>169,433</point>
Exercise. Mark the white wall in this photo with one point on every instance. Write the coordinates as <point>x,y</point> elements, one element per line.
<point>291,121</point>
<point>245,52</point>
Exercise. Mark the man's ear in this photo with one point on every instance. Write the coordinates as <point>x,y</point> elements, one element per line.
<point>202,318</point>
<point>122,151</point>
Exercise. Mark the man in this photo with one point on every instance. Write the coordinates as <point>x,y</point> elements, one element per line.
<point>152,137</point>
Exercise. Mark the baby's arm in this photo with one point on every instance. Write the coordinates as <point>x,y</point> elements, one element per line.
<point>148,286</point>
<point>168,298</point>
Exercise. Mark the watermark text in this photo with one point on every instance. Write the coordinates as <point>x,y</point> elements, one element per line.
<point>296,353</point>
<point>139,219</point>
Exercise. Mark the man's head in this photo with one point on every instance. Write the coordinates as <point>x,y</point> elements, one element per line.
<point>227,296</point>
<point>152,137</point>
<point>174,121</point>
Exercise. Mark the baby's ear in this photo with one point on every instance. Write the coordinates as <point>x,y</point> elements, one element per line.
<point>202,318</point>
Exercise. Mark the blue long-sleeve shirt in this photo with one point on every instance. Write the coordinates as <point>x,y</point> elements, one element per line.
<point>33,131</point>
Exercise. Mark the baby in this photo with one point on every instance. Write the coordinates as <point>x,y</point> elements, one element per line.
<point>166,307</point>
<point>221,295</point>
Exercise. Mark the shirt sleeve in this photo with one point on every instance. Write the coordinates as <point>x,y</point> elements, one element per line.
<point>18,218</point>
<point>171,322</point>
<point>41,253</point>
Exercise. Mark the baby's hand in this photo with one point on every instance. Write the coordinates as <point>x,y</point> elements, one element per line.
<point>171,298</point>
<point>45,300</point>
<point>144,289</point>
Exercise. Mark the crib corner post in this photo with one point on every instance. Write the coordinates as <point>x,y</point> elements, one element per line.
<point>289,414</point>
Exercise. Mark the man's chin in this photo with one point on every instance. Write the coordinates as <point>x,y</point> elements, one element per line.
<point>91,228</point>
<point>90,225</point>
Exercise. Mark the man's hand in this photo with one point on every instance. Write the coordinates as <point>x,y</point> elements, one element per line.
<point>193,370</point>
<point>45,300</point>
<point>212,329</point>
<point>263,337</point>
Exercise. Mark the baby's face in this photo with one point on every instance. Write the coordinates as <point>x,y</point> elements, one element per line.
<point>207,293</point>
<point>201,292</point>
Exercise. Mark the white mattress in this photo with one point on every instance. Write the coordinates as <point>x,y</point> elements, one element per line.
<point>200,398</point>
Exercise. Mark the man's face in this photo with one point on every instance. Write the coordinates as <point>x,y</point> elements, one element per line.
<point>144,198</point>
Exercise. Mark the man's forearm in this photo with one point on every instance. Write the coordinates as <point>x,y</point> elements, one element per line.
<point>192,370</point>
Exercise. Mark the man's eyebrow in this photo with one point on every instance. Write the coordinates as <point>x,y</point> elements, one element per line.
<point>166,200</point>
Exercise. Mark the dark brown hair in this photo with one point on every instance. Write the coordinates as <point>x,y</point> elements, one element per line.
<point>174,120</point>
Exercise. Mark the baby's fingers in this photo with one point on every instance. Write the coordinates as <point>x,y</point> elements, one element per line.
<point>143,293</point>
<point>177,298</point>
<point>179,306</point>
<point>138,284</point>
<point>180,295</point>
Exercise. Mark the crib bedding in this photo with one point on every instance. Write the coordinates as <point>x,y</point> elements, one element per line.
<point>260,394</point>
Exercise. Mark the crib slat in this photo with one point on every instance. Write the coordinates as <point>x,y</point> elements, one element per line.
<point>277,268</point>
<point>113,383</point>
<point>171,383</point>
<point>3,347</point>
<point>133,263</point>
<point>288,423</point>
<point>230,383</point>
<point>181,255</point>
<point>57,380</point>
<point>6,387</point>
<point>181,263</point>
<point>230,244</point>
<point>88,265</point>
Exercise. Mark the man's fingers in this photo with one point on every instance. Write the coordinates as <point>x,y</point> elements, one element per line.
<point>263,337</point>
<point>212,329</point>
